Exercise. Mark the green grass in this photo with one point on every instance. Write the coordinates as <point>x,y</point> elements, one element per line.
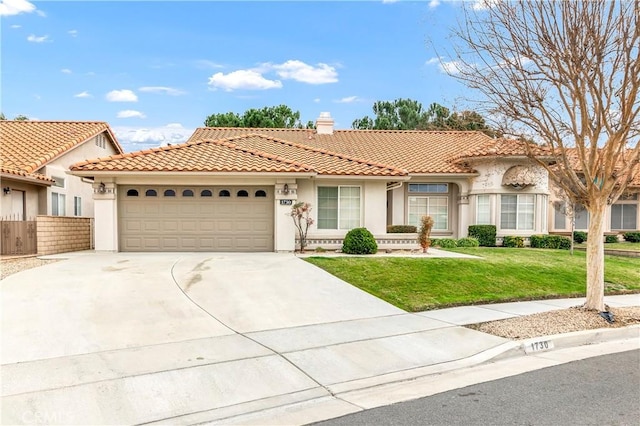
<point>616,246</point>
<point>415,284</point>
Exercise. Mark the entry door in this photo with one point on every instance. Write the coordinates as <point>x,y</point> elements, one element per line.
<point>17,205</point>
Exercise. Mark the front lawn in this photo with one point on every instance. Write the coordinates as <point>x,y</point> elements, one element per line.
<point>503,274</point>
<point>616,246</point>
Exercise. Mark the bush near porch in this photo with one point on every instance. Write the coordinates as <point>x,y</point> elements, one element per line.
<point>501,275</point>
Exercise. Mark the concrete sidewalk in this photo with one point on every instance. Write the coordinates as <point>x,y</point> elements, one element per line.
<point>186,339</point>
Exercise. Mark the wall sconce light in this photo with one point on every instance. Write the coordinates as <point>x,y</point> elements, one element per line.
<point>102,188</point>
<point>285,189</point>
<point>6,190</point>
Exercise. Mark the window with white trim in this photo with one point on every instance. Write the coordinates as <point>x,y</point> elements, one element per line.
<point>77,206</point>
<point>517,211</point>
<point>440,188</point>
<point>581,217</point>
<point>624,216</point>
<point>559,215</point>
<point>483,209</point>
<point>338,207</point>
<point>58,204</point>
<point>435,206</point>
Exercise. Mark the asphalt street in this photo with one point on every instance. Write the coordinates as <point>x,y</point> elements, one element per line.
<point>603,390</point>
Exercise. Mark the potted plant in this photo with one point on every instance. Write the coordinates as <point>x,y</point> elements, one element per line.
<point>424,236</point>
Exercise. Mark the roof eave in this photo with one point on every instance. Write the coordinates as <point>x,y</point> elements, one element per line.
<point>27,179</point>
<point>116,173</point>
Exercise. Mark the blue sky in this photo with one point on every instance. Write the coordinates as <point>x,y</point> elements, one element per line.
<point>155,70</point>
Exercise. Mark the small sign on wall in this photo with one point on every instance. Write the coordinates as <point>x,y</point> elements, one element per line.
<point>286,202</point>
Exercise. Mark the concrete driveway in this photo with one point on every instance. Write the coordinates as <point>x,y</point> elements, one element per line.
<point>188,338</point>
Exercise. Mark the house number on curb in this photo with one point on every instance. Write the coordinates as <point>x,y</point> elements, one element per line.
<point>538,346</point>
<point>286,202</point>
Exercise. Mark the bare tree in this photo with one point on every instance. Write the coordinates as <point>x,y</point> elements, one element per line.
<point>565,74</point>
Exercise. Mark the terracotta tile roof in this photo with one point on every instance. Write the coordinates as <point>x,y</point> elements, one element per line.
<point>414,151</point>
<point>246,153</point>
<point>29,145</point>
<point>8,172</point>
<point>497,148</point>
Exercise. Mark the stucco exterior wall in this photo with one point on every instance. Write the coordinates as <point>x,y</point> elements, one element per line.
<point>74,185</point>
<point>489,182</point>
<point>57,234</point>
<point>29,194</point>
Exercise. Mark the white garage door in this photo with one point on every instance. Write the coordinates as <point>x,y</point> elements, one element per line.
<point>162,218</point>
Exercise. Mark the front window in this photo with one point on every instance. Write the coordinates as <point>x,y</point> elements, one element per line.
<point>581,217</point>
<point>483,213</point>
<point>624,216</point>
<point>559,215</point>
<point>77,206</point>
<point>517,211</point>
<point>58,204</point>
<point>436,207</point>
<point>338,207</point>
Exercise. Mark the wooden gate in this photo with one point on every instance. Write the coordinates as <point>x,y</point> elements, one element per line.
<point>18,237</point>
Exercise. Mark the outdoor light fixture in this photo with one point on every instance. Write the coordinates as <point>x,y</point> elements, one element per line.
<point>102,188</point>
<point>286,188</point>
<point>6,190</point>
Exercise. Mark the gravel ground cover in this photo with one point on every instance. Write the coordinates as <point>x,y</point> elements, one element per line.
<point>12,266</point>
<point>557,322</point>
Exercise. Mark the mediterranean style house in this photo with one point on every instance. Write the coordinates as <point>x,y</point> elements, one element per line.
<point>231,189</point>
<point>34,163</point>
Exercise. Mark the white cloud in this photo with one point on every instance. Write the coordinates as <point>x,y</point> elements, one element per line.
<point>35,39</point>
<point>65,71</point>
<point>129,113</point>
<point>161,89</point>
<point>447,67</point>
<point>242,79</point>
<point>204,63</point>
<point>84,94</point>
<point>483,4</point>
<point>348,100</point>
<point>450,67</point>
<point>316,100</point>
<point>434,3</point>
<point>389,1</point>
<point>72,33</point>
<point>136,138</point>
<point>122,96</point>
<point>15,7</point>
<point>15,26</point>
<point>305,73</point>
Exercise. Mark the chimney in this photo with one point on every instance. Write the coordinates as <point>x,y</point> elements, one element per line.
<point>324,124</point>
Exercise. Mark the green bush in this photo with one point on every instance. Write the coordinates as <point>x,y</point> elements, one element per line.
<point>609,239</point>
<point>485,234</point>
<point>509,241</point>
<point>579,236</point>
<point>632,237</point>
<point>467,242</point>
<point>359,241</point>
<point>550,242</point>
<point>446,243</point>
<point>402,229</point>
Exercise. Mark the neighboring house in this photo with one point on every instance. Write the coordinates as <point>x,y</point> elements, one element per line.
<point>231,189</point>
<point>34,160</point>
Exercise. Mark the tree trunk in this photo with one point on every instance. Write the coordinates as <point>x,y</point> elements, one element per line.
<point>595,257</point>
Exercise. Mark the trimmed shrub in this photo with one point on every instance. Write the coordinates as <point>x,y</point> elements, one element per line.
<point>467,242</point>
<point>359,241</point>
<point>609,239</point>
<point>402,229</point>
<point>446,243</point>
<point>632,237</point>
<point>550,242</point>
<point>579,236</point>
<point>516,242</point>
<point>485,234</point>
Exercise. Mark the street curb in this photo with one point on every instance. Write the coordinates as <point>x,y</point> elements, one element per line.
<point>568,340</point>
<point>324,408</point>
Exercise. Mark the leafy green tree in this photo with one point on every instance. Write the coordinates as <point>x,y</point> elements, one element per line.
<point>408,114</point>
<point>21,117</point>
<point>280,116</point>
<point>2,116</point>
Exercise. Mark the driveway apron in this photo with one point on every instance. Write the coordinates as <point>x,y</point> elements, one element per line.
<point>188,338</point>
